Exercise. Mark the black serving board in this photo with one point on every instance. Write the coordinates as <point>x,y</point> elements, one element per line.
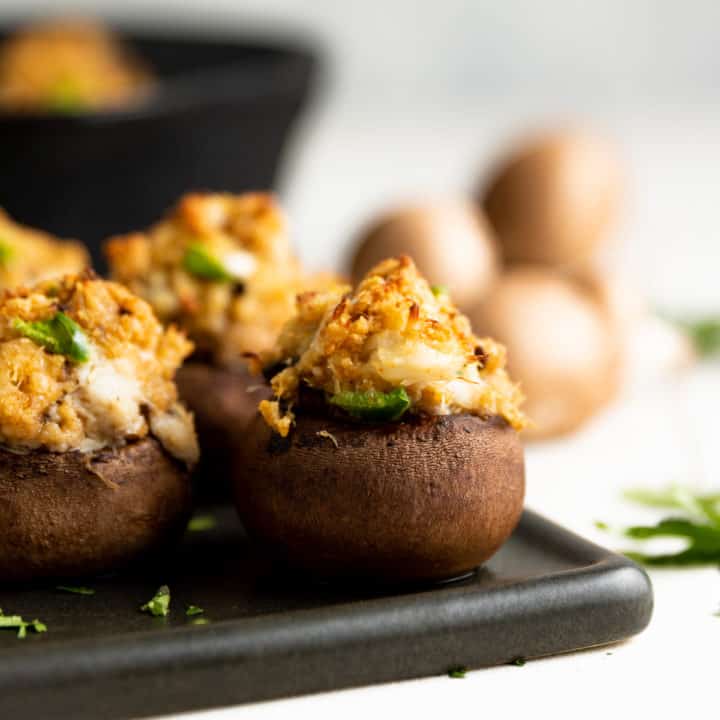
<point>273,634</point>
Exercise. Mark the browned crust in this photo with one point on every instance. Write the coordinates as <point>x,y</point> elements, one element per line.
<point>424,499</point>
<point>72,514</point>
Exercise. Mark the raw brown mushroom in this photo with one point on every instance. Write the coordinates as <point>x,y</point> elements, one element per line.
<point>554,199</point>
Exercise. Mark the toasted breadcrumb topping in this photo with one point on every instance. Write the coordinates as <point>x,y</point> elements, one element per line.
<point>392,331</point>
<point>122,392</point>
<point>68,66</point>
<point>28,256</point>
<point>246,235</point>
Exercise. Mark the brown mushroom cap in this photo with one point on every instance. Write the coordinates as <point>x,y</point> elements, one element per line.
<point>563,346</point>
<point>71,514</point>
<point>422,499</point>
<point>554,200</point>
<point>451,243</point>
<point>223,402</point>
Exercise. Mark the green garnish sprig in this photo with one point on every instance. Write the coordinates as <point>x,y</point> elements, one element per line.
<point>159,605</point>
<point>201,263</point>
<point>696,520</point>
<point>457,673</point>
<point>59,335</point>
<point>372,406</point>
<point>193,610</point>
<point>15,622</point>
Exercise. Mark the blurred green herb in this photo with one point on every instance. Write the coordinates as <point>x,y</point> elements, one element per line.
<point>59,335</point>
<point>193,610</point>
<point>703,332</point>
<point>439,290</point>
<point>696,521</point>
<point>6,252</point>
<point>200,621</point>
<point>66,97</point>
<point>457,672</point>
<point>198,261</point>
<point>201,523</point>
<point>75,589</point>
<point>15,622</point>
<point>518,662</point>
<point>159,606</point>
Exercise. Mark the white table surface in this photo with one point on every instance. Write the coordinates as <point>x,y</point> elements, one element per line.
<point>663,429</point>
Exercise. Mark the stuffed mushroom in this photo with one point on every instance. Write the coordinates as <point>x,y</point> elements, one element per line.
<point>95,446</point>
<point>68,66</point>
<point>390,449</point>
<point>28,256</point>
<point>221,267</point>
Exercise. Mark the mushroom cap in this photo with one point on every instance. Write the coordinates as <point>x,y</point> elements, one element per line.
<point>71,514</point>
<point>428,498</point>
<point>554,199</point>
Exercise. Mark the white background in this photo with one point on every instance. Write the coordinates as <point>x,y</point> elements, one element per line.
<point>420,99</point>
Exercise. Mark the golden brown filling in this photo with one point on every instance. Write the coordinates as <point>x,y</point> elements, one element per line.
<point>394,344</point>
<point>68,67</point>
<point>85,365</point>
<point>28,256</point>
<point>220,266</point>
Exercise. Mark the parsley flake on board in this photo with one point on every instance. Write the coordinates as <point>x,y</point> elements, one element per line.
<point>201,523</point>
<point>15,622</point>
<point>457,673</point>
<point>159,606</point>
<point>75,589</point>
<point>59,335</point>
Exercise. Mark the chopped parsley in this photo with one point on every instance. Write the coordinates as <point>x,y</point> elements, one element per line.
<point>75,589</point>
<point>198,261</point>
<point>159,606</point>
<point>193,610</point>
<point>59,335</point>
<point>457,672</point>
<point>15,622</point>
<point>695,519</point>
<point>373,406</point>
<point>201,523</point>
<point>518,662</point>
<point>438,290</point>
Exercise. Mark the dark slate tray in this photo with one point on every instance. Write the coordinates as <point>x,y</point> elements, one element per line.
<point>547,591</point>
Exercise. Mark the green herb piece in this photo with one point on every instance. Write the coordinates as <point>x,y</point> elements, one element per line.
<point>201,523</point>
<point>698,526</point>
<point>601,525</point>
<point>59,335</point>
<point>458,672</point>
<point>194,610</point>
<point>66,97</point>
<point>159,606</point>
<point>76,590</point>
<point>373,406</point>
<point>15,622</point>
<point>518,662</point>
<point>7,252</point>
<point>200,621</point>
<point>438,290</point>
<point>703,332</point>
<point>198,261</point>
